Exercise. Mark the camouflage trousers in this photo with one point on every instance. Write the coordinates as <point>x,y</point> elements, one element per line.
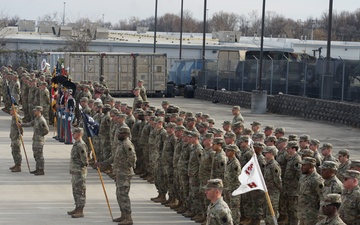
<point>106,148</point>
<point>257,205</point>
<point>45,113</point>
<point>145,157</point>
<point>15,151</point>
<point>37,148</point>
<point>246,205</point>
<point>291,208</point>
<point>153,158</point>
<point>311,218</point>
<point>176,185</point>
<point>194,197</point>
<point>169,171</point>
<point>274,198</point>
<point>234,205</point>
<point>78,181</point>
<point>161,183</point>
<point>97,148</point>
<point>184,188</point>
<point>122,192</point>
<point>205,202</point>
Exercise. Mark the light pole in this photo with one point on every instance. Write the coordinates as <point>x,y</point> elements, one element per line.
<point>204,33</point>
<point>103,19</point>
<point>181,27</point>
<point>63,20</point>
<point>155,26</point>
<point>261,45</point>
<point>327,87</point>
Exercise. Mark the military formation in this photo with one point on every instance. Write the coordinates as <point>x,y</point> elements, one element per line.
<point>193,165</point>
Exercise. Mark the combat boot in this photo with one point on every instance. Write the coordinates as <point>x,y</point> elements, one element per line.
<point>161,199</point>
<point>73,211</point>
<point>178,205</point>
<point>147,176</point>
<point>167,201</point>
<point>173,202</point>
<point>10,168</point>
<point>17,168</point>
<point>79,213</point>
<point>143,175</point>
<point>39,173</point>
<point>121,218</point>
<point>181,210</point>
<point>201,219</point>
<point>283,219</point>
<point>127,220</point>
<point>152,199</point>
<point>34,171</point>
<point>197,216</point>
<point>189,214</point>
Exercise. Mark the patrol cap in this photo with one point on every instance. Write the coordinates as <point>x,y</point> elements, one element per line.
<point>114,110</point>
<point>189,114</point>
<point>255,123</point>
<point>304,137</point>
<point>327,145</point>
<point>139,101</point>
<point>165,102</point>
<point>124,130</point>
<point>238,124</point>
<point>269,128</point>
<point>331,199</point>
<point>344,152</point>
<point>236,107</point>
<point>218,131</point>
<point>203,124</point>
<point>308,160</point>
<point>226,122</point>
<point>244,138</point>
<point>314,142</point>
<point>146,103</point>
<point>171,125</point>
<point>205,116</point>
<point>118,102</point>
<point>149,113</point>
<point>292,144</point>
<point>137,89</point>
<point>121,115</point>
<point>152,108</point>
<point>247,131</point>
<point>107,106</point>
<point>174,115</point>
<point>198,114</point>
<point>180,128</point>
<point>259,144</point>
<point>214,183</point>
<point>211,120</point>
<point>182,112</point>
<point>258,135</point>
<point>208,136</point>
<point>279,130</point>
<point>123,104</point>
<point>218,140</point>
<point>270,139</point>
<point>271,149</point>
<point>191,119</point>
<point>229,135</point>
<point>292,137</point>
<point>329,165</point>
<point>180,119</point>
<point>141,81</point>
<point>78,130</point>
<point>232,147</point>
<point>84,99</point>
<point>38,108</point>
<point>159,119</point>
<point>352,174</point>
<point>307,153</point>
<point>194,134</point>
<point>282,139</point>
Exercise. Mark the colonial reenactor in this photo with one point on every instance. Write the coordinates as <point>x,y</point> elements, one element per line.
<point>78,171</point>
<point>124,162</point>
<point>40,130</point>
<point>218,212</point>
<point>69,111</point>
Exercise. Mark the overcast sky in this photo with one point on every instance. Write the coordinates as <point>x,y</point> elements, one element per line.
<point>114,10</point>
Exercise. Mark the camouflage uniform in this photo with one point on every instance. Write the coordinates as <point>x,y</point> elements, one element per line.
<point>231,183</point>
<point>15,140</point>
<point>291,188</point>
<point>205,171</point>
<point>350,201</point>
<point>144,142</point>
<point>40,130</point>
<point>218,165</point>
<point>334,219</point>
<point>310,194</point>
<point>182,168</point>
<point>177,153</point>
<point>143,93</point>
<point>194,182</point>
<point>153,153</point>
<point>272,177</point>
<point>281,158</point>
<point>160,176</point>
<point>78,170</point>
<point>15,91</point>
<point>257,197</point>
<point>167,160</point>
<point>44,99</point>
<point>341,170</point>
<point>332,186</point>
<point>97,139</point>
<point>104,135</point>
<point>246,202</point>
<point>124,161</point>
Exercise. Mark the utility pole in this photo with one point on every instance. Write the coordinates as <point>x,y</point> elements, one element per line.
<point>63,22</point>
<point>327,81</point>
<point>156,11</point>
<point>181,27</point>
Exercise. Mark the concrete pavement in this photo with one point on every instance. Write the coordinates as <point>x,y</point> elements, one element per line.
<point>44,200</point>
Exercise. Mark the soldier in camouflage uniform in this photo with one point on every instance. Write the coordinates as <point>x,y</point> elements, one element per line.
<point>219,161</point>
<point>218,212</point>
<point>40,130</point>
<point>98,148</point>
<point>326,151</point>
<point>281,158</point>
<point>136,98</point>
<point>15,140</point>
<point>350,205</point>
<point>15,89</point>
<point>272,177</point>
<point>104,132</point>
<point>78,170</point>
<point>330,207</point>
<point>124,161</point>
<point>303,143</point>
<point>196,152</point>
<point>231,182</point>
<point>332,185</point>
<point>142,90</point>
<point>343,157</point>
<point>291,185</point>
<point>153,154</point>
<point>205,170</point>
<point>237,115</point>
<point>311,187</point>
<point>44,96</point>
<point>314,146</point>
<point>130,119</point>
<point>86,110</point>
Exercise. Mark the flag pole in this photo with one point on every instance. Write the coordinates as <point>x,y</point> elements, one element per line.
<point>98,169</point>
<point>17,121</point>
<point>264,185</point>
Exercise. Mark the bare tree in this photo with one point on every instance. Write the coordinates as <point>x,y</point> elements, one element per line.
<point>224,21</point>
<point>83,31</point>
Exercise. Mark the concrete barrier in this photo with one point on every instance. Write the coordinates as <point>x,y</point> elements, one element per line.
<point>309,108</point>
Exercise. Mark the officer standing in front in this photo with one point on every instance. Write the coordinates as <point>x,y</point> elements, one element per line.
<point>40,130</point>
<point>78,170</point>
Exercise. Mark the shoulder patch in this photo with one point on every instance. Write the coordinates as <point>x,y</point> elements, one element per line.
<point>130,149</point>
<point>236,168</point>
<point>221,164</point>
<point>224,219</point>
<point>82,151</point>
<point>276,171</point>
<point>321,186</point>
<point>199,155</point>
